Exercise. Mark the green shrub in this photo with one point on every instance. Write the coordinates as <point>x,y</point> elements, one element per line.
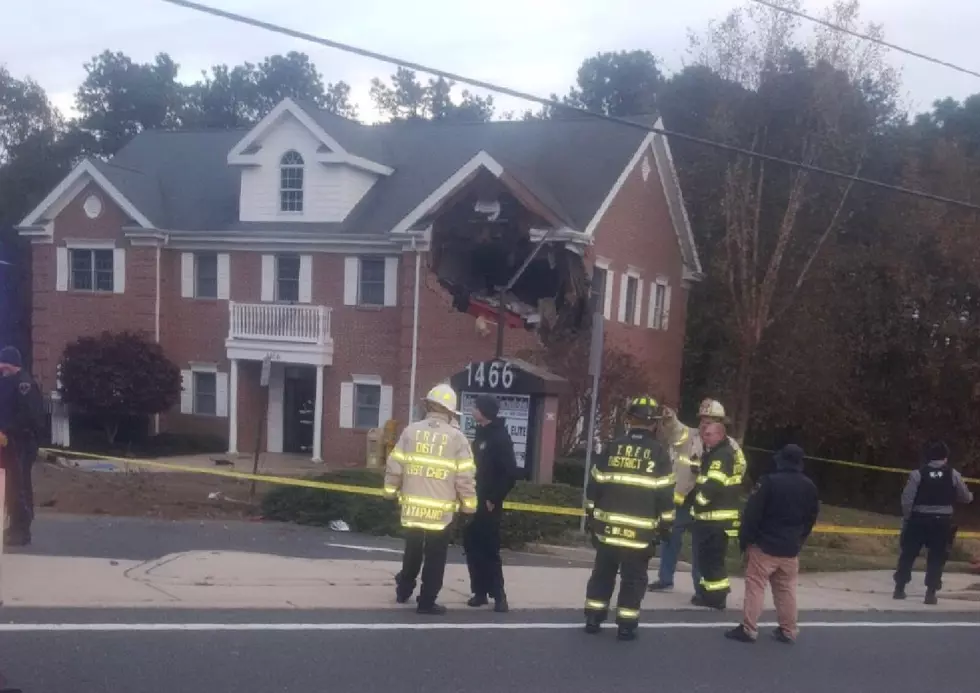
<point>569,471</point>
<point>373,515</point>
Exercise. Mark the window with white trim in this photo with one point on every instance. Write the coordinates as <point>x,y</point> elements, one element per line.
<point>291,172</point>
<point>659,305</point>
<point>287,278</point>
<point>205,393</point>
<point>206,275</point>
<point>632,283</point>
<point>367,405</point>
<point>599,277</point>
<point>92,270</point>
<point>371,281</point>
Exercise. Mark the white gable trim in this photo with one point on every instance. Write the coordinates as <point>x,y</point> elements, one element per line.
<point>71,185</point>
<point>620,182</point>
<point>451,184</point>
<point>355,161</point>
<point>671,183</point>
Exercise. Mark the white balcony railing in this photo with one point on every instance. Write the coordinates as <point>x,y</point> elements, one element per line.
<point>279,322</point>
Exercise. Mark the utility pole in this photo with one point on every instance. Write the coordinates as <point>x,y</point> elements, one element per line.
<point>595,369</point>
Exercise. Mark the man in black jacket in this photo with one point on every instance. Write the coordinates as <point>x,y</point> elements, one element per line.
<point>496,473</point>
<point>777,520</point>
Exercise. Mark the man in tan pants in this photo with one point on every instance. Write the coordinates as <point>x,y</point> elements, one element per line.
<point>776,522</point>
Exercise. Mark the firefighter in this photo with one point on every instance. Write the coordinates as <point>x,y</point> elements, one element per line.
<point>630,508</point>
<point>715,512</point>
<point>21,425</point>
<point>432,473</point>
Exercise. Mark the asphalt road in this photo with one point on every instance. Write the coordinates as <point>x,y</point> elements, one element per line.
<point>369,652</point>
<point>141,539</point>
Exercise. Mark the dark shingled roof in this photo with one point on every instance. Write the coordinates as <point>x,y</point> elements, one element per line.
<point>181,180</point>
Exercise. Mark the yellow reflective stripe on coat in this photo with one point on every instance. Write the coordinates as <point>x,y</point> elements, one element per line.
<point>465,465</point>
<point>431,526</point>
<point>469,502</point>
<point>628,613</point>
<point>679,498</point>
<point>626,543</point>
<point>684,436</point>
<point>390,491</point>
<point>701,479</point>
<point>413,458</point>
<point>589,505</point>
<point>701,500</point>
<point>631,520</point>
<point>684,459</point>
<point>715,585</point>
<point>668,516</point>
<point>732,533</point>
<point>595,605</point>
<point>715,475</point>
<point>633,479</point>
<point>717,515</point>
<point>428,502</point>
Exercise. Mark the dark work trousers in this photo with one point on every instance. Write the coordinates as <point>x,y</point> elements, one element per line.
<point>933,533</point>
<point>711,545</point>
<point>425,551</point>
<point>632,564</point>
<point>18,462</point>
<point>481,542</point>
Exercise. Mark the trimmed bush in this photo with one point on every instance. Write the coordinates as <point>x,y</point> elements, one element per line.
<point>372,515</point>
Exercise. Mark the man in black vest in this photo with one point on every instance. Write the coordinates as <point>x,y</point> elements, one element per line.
<point>21,424</point>
<point>927,506</point>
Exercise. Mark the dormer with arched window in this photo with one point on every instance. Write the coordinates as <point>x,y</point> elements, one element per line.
<point>291,182</point>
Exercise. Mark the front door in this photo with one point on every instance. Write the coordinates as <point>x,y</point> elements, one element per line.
<point>298,408</point>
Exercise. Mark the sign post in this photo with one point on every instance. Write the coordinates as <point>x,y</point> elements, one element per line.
<point>595,369</point>
<point>264,382</point>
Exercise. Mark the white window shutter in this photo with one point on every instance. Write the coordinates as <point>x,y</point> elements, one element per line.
<point>221,394</point>
<point>351,268</point>
<point>637,312</point>
<point>187,275</point>
<point>347,404</point>
<point>224,276</point>
<point>391,281</point>
<point>305,278</point>
<point>384,411</point>
<point>652,306</point>
<point>61,269</point>
<point>119,270</point>
<point>268,277</point>
<point>187,395</point>
<point>666,318</point>
<point>608,296</point>
<point>623,285</point>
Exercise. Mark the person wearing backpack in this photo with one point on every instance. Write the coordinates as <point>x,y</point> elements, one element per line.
<point>21,424</point>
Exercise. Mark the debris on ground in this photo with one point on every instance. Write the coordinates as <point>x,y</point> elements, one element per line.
<point>338,526</point>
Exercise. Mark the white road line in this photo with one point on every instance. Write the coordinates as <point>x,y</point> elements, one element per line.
<point>212,627</point>
<point>365,548</point>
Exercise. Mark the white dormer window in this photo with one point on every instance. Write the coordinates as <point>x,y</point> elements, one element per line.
<point>291,182</point>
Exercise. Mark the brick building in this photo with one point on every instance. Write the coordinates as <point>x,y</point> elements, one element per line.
<point>301,239</point>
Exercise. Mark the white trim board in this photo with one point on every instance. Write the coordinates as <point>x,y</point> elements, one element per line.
<point>85,168</point>
<point>465,172</point>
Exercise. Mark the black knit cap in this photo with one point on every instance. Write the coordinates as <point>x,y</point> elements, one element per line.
<point>936,450</point>
<point>10,355</point>
<point>488,406</point>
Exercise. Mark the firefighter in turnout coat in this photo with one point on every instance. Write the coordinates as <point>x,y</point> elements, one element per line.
<point>432,474</point>
<point>630,507</point>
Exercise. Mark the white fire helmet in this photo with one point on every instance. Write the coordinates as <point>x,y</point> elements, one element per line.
<point>444,396</point>
<point>711,409</point>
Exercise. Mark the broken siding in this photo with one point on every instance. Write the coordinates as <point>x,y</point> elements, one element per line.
<point>330,192</point>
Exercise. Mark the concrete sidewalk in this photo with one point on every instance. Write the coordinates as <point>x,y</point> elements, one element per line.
<point>215,579</point>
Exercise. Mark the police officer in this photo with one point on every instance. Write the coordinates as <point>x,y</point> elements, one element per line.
<point>927,506</point>
<point>432,473</point>
<point>630,507</point>
<point>21,423</point>
<point>716,515</point>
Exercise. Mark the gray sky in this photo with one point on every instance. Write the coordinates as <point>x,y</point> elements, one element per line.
<point>532,45</point>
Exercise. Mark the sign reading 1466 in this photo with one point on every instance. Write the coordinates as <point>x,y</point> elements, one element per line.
<point>491,375</point>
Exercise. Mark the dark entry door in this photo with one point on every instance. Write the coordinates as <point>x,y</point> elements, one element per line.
<point>298,409</point>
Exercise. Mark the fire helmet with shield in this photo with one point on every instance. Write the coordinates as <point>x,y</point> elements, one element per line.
<point>443,396</point>
<point>645,409</point>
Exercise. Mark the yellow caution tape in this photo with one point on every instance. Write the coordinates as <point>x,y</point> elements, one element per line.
<point>377,492</point>
<point>857,465</point>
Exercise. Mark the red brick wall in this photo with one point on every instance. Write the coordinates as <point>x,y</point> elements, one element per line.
<point>637,231</point>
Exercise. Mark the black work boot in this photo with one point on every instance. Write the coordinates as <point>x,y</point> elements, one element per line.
<point>402,592</point>
<point>500,604</point>
<point>931,598</point>
<point>430,609</point>
<point>478,600</point>
<point>899,592</point>
<point>660,586</point>
<point>593,624</point>
<point>739,634</point>
<point>626,632</point>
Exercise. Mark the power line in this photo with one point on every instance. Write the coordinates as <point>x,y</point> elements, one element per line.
<point>450,76</point>
<point>867,37</point>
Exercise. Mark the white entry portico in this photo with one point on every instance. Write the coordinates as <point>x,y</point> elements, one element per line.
<point>289,336</point>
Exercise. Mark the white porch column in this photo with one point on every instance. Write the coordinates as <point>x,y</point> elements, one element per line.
<point>233,409</point>
<point>318,417</point>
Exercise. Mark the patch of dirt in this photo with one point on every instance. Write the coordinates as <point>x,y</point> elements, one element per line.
<point>165,495</point>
